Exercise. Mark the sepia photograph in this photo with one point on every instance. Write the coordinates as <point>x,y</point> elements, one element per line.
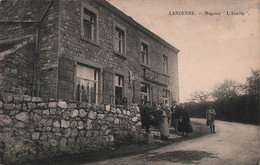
<point>129,82</point>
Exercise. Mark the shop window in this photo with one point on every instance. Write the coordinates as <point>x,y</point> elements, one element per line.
<point>118,80</point>
<point>165,64</point>
<point>145,92</point>
<point>144,54</point>
<point>87,84</point>
<point>89,23</point>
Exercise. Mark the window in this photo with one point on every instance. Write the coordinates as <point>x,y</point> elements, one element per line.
<point>87,84</point>
<point>119,39</point>
<point>165,64</point>
<point>166,95</point>
<point>118,80</point>
<point>89,23</point>
<point>144,54</point>
<point>145,91</point>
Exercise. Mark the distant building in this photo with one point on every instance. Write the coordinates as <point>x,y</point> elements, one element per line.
<point>84,50</point>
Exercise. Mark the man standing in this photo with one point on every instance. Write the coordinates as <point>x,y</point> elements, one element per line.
<point>210,116</point>
<point>146,115</point>
<point>184,120</point>
<point>175,116</point>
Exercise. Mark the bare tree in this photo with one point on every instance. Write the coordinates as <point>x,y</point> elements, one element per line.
<point>200,96</point>
<point>228,88</point>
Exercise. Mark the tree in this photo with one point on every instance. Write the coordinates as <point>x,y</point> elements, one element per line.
<point>228,88</point>
<point>200,96</point>
<point>252,86</point>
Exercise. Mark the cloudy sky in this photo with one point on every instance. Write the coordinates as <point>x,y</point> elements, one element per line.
<point>212,48</point>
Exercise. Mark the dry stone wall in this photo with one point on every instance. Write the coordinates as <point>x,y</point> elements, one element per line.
<point>34,129</point>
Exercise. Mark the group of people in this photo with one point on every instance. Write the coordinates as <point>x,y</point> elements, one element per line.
<point>160,115</point>
<point>163,116</point>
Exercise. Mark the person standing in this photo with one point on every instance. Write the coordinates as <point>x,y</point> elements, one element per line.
<point>146,115</point>
<point>163,124</point>
<point>157,113</point>
<point>184,121</point>
<point>169,114</point>
<point>210,116</point>
<point>124,103</point>
<point>141,107</point>
<point>175,116</point>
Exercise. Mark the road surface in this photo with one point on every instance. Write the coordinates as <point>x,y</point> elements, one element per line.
<point>233,144</point>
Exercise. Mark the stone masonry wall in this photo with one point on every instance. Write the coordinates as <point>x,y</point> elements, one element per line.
<point>17,49</point>
<point>34,129</point>
<point>47,64</point>
<point>71,45</point>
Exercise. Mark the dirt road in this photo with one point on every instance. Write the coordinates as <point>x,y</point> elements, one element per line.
<point>234,143</point>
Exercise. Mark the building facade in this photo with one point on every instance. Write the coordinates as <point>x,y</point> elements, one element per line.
<point>90,51</point>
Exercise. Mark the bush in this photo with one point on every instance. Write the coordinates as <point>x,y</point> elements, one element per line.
<point>243,109</point>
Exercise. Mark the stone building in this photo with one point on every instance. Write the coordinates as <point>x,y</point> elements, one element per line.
<point>84,50</point>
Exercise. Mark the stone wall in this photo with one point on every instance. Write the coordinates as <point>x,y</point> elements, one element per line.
<point>47,62</point>
<point>17,52</point>
<point>34,129</point>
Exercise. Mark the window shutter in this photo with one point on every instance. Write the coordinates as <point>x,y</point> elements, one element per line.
<point>66,79</point>
<point>136,90</point>
<point>160,93</point>
<point>108,87</point>
<point>155,94</point>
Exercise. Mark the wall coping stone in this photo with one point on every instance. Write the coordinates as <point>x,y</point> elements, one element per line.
<point>62,104</point>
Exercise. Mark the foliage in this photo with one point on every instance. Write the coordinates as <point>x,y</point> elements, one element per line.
<point>253,83</point>
<point>243,109</point>
<point>234,101</point>
<point>229,88</point>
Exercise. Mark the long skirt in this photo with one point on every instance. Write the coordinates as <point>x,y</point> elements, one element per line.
<point>183,126</point>
<point>164,127</point>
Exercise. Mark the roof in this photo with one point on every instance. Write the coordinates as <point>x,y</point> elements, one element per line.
<point>22,10</point>
<point>136,24</point>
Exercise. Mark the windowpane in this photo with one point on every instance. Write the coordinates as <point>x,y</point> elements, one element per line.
<point>89,24</point>
<point>143,57</point>
<point>120,46</point>
<point>118,89</point>
<point>87,29</point>
<point>86,84</point>
<point>144,53</point>
<point>119,40</point>
<point>144,88</point>
<point>118,80</point>
<point>165,64</point>
<point>116,46</point>
<point>145,92</point>
<point>165,95</point>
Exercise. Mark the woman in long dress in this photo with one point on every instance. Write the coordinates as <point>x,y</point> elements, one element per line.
<point>163,125</point>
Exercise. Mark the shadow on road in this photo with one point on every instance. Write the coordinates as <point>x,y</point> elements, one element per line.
<point>186,157</point>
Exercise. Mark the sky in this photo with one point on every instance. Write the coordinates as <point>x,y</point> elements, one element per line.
<point>212,48</point>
